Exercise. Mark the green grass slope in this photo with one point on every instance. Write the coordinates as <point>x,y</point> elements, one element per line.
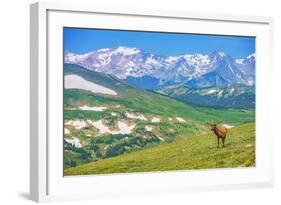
<point>197,152</point>
<point>96,146</point>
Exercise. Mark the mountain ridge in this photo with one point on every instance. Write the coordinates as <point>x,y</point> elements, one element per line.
<point>230,96</point>
<point>190,69</point>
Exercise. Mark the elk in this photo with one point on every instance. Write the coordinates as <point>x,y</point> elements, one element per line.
<point>220,132</point>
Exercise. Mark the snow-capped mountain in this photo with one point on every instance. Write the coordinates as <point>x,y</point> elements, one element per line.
<point>226,70</point>
<point>151,71</point>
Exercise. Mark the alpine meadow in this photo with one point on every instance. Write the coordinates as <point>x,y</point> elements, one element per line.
<point>149,101</point>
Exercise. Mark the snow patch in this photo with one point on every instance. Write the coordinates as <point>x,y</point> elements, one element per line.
<point>220,93</point>
<point>66,131</point>
<point>104,59</point>
<point>155,119</point>
<point>160,138</point>
<point>123,128</point>
<point>231,91</point>
<point>125,51</point>
<point>250,82</point>
<point>74,141</point>
<point>211,91</point>
<point>252,55</point>
<point>76,58</point>
<point>151,63</point>
<point>180,119</point>
<point>172,58</point>
<point>231,70</point>
<point>100,126</point>
<point>103,50</point>
<point>222,54</point>
<point>77,82</point>
<point>95,108</point>
<point>135,116</point>
<point>227,126</point>
<point>148,128</point>
<point>239,61</point>
<point>78,124</point>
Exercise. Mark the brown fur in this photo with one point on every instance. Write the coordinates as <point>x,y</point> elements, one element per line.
<point>220,132</point>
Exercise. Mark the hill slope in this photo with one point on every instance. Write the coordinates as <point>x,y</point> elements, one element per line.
<point>230,96</point>
<point>99,125</point>
<point>198,152</point>
<point>138,100</point>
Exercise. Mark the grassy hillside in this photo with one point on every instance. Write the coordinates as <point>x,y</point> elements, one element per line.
<point>175,119</point>
<point>198,152</point>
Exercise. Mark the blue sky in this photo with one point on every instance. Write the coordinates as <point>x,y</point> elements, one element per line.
<point>78,40</point>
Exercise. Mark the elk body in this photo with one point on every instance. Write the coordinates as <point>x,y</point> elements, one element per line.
<point>219,132</point>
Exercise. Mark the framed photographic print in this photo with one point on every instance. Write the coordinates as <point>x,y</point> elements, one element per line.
<point>127,102</point>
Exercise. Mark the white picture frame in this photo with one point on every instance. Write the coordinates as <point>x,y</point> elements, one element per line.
<point>46,177</point>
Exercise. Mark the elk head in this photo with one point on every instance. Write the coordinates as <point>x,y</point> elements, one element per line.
<point>213,125</point>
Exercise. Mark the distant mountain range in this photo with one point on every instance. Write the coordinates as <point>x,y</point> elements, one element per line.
<point>150,71</point>
<point>230,96</point>
<point>215,79</point>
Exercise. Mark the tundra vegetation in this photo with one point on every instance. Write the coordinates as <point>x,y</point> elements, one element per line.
<point>115,127</point>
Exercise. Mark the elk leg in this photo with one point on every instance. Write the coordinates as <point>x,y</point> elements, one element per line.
<point>223,142</point>
<point>218,142</point>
